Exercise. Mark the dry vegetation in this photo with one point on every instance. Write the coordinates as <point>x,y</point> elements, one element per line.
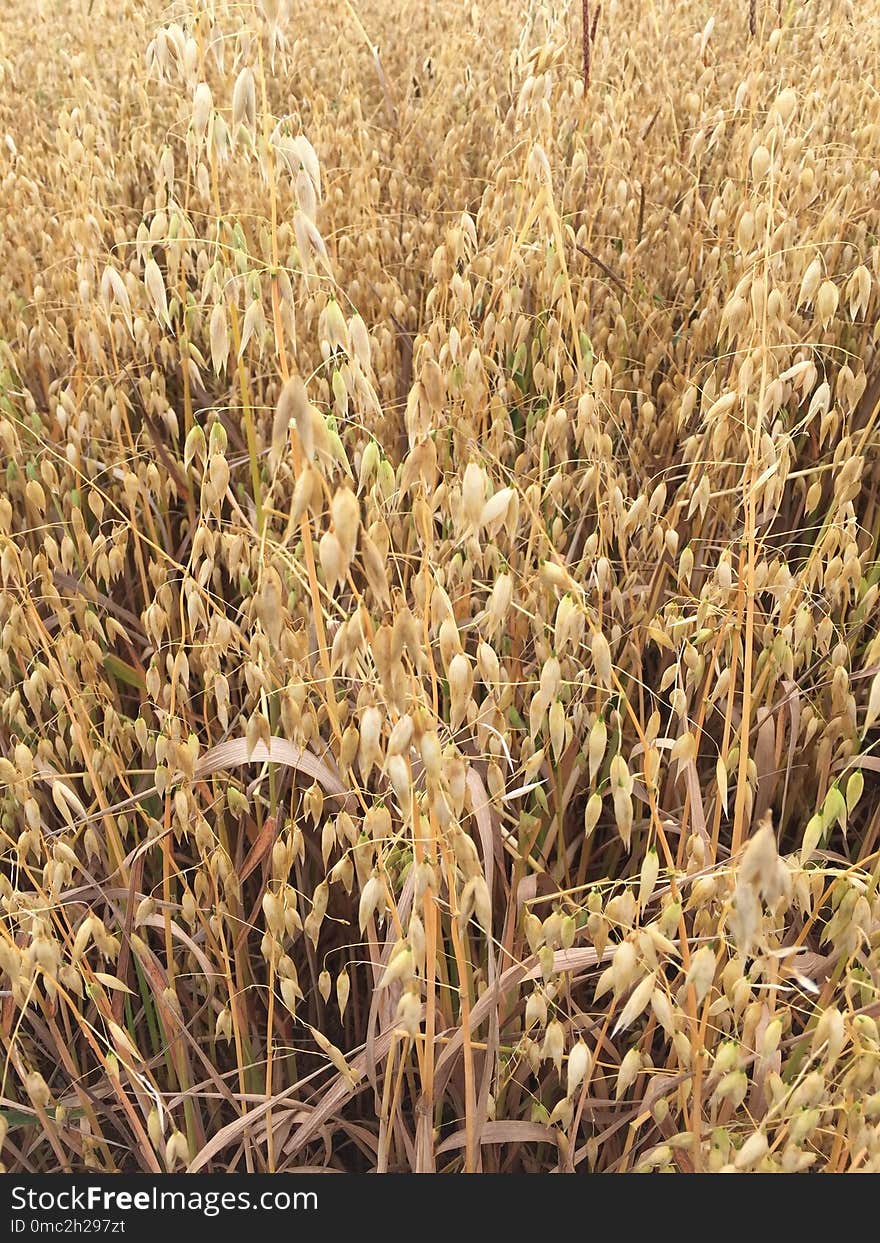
<point>438,536</point>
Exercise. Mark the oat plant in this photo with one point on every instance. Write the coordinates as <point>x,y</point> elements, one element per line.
<point>439,664</point>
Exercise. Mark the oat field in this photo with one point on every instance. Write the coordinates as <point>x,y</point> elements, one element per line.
<point>439,661</point>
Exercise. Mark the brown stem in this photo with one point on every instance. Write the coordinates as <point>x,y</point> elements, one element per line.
<point>595,25</point>
<point>587,42</point>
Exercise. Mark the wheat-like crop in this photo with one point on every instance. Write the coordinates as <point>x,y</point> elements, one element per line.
<point>439,667</point>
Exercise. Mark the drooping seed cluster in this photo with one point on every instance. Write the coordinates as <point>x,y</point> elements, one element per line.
<point>439,675</point>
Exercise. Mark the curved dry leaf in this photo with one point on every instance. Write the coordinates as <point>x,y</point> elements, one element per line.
<point>234,751</point>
